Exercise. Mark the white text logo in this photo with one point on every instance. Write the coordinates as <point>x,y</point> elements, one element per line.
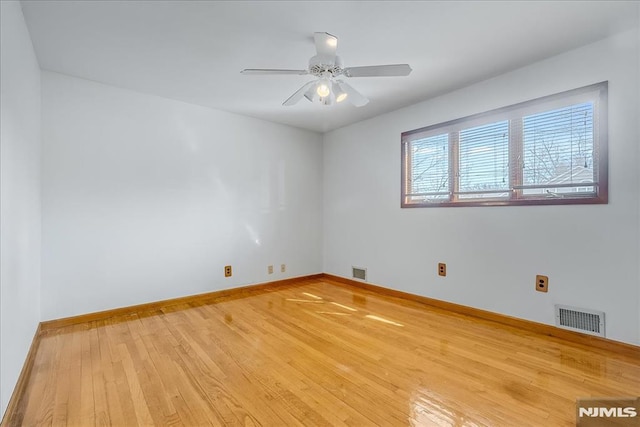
<point>628,412</point>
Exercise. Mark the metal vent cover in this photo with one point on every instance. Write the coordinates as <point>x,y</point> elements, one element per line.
<point>359,273</point>
<point>580,319</point>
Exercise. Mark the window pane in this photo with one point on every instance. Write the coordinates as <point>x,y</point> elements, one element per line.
<point>484,161</point>
<point>430,168</point>
<point>547,151</point>
<point>558,150</point>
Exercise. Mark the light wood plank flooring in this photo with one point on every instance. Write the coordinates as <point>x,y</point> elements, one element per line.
<point>318,353</point>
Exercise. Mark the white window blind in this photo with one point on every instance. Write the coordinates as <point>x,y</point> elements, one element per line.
<point>558,151</point>
<point>551,150</point>
<point>430,167</point>
<point>484,161</point>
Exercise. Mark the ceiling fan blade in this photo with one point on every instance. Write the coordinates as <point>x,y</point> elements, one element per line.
<point>326,44</point>
<point>268,71</point>
<point>353,96</point>
<point>378,71</point>
<point>311,94</point>
<point>297,96</point>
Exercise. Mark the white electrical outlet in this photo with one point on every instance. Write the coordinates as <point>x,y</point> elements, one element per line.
<point>283,268</point>
<point>270,269</point>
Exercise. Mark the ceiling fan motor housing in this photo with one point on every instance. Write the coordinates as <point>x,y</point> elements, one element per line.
<point>320,65</point>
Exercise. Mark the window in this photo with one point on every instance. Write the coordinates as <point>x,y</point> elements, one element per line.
<point>551,150</point>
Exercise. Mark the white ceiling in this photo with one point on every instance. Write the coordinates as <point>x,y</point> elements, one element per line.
<point>194,51</point>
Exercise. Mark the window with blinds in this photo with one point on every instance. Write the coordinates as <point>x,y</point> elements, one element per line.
<point>430,171</point>
<point>550,150</point>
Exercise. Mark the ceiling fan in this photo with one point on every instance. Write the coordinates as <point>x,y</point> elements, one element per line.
<point>328,88</point>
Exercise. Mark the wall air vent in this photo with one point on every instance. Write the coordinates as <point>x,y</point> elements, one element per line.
<point>359,273</point>
<point>580,320</point>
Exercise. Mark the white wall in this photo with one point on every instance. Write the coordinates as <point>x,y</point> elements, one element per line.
<point>20,150</point>
<point>638,73</point>
<point>590,253</point>
<point>146,198</point>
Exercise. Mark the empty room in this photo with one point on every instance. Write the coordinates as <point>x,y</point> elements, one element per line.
<point>320,213</point>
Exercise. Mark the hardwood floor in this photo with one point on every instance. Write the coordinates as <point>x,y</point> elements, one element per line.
<point>319,353</point>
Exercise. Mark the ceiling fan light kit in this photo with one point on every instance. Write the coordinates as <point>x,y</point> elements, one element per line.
<point>340,94</point>
<point>326,66</point>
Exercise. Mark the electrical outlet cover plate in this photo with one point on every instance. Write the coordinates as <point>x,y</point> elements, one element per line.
<point>542,283</point>
<point>442,269</point>
<point>227,271</point>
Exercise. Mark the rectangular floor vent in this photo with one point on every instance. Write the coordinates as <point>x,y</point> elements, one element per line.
<point>580,320</point>
<point>359,273</point>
